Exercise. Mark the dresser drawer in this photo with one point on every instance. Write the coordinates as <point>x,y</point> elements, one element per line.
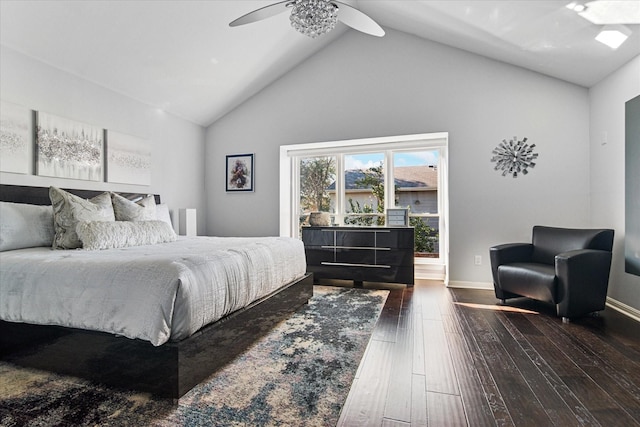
<point>402,275</point>
<point>356,238</point>
<point>317,255</point>
<point>356,256</point>
<point>397,238</point>
<point>395,257</point>
<point>318,236</point>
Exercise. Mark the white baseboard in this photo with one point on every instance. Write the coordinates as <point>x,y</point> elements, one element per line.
<point>470,285</point>
<point>623,308</point>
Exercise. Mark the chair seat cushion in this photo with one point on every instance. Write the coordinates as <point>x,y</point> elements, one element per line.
<point>532,280</point>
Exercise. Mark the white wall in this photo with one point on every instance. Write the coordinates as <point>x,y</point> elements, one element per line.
<point>607,172</point>
<point>177,145</point>
<point>362,86</point>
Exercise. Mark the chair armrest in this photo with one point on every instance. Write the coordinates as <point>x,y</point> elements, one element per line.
<point>583,280</point>
<point>508,253</point>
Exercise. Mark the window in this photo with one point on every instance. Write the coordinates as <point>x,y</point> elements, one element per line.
<point>357,180</point>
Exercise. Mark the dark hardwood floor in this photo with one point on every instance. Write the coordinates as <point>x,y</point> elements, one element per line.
<point>453,357</point>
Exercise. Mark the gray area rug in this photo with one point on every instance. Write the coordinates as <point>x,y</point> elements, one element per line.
<point>299,374</point>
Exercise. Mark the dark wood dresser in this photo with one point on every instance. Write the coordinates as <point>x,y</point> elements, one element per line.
<point>373,254</point>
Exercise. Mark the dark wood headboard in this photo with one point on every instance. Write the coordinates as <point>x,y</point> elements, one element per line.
<point>40,195</point>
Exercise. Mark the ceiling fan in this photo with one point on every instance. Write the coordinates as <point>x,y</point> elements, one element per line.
<point>315,17</point>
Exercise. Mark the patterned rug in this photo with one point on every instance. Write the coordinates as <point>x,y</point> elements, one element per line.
<point>299,374</point>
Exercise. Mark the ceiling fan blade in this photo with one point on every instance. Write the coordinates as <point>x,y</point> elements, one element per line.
<point>358,20</point>
<point>262,13</point>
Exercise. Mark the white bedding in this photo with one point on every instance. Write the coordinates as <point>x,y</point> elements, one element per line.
<point>154,293</point>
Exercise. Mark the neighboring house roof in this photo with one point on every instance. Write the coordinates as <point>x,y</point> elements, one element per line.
<point>416,176</point>
<point>423,177</point>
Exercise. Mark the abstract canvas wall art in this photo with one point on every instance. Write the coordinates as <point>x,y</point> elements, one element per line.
<point>16,138</point>
<point>68,149</point>
<point>128,159</point>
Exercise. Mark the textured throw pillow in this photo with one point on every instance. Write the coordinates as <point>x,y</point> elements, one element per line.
<point>25,226</point>
<point>162,214</point>
<point>126,210</point>
<point>97,235</point>
<point>69,210</point>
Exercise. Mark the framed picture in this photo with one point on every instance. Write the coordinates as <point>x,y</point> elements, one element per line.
<point>69,149</point>
<point>128,159</point>
<point>16,138</point>
<point>239,172</point>
<point>397,217</point>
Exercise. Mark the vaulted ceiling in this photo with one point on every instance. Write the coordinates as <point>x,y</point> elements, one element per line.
<point>182,57</point>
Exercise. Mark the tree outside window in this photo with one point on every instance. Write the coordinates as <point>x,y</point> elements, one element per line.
<point>316,176</point>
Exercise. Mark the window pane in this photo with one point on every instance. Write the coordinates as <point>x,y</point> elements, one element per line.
<point>317,186</point>
<point>426,236</point>
<point>416,181</point>
<point>364,189</point>
<point>416,187</point>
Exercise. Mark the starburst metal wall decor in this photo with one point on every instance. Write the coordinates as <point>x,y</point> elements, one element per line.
<point>514,157</point>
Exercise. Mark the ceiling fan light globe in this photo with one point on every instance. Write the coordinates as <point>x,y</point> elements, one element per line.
<point>313,18</point>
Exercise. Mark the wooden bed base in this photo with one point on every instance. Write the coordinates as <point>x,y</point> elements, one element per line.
<point>169,370</point>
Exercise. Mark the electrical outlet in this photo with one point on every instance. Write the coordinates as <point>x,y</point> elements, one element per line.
<point>477,260</point>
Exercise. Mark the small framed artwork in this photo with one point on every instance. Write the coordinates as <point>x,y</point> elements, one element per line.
<point>397,217</point>
<point>239,172</point>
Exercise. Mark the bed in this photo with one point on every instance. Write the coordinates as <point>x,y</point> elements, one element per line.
<point>155,317</point>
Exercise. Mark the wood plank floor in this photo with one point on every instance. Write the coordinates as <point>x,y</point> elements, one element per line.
<point>453,357</point>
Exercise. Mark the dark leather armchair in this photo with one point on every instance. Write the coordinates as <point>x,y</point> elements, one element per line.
<point>562,266</point>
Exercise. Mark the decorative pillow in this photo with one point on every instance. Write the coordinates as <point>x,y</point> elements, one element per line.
<point>126,210</point>
<point>162,214</point>
<point>69,209</point>
<point>121,234</point>
<point>25,226</point>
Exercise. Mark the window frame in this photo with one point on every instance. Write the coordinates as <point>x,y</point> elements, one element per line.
<point>290,187</point>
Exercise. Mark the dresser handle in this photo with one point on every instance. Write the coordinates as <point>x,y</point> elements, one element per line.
<point>347,264</point>
<point>370,230</point>
<point>372,248</point>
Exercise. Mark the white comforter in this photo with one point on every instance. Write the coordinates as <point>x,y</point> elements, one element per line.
<point>154,293</point>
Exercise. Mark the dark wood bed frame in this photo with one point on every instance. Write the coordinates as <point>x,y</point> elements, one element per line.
<point>169,370</point>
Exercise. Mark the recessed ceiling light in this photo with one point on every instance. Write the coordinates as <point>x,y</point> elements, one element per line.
<point>611,12</point>
<point>613,35</point>
<point>577,6</point>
